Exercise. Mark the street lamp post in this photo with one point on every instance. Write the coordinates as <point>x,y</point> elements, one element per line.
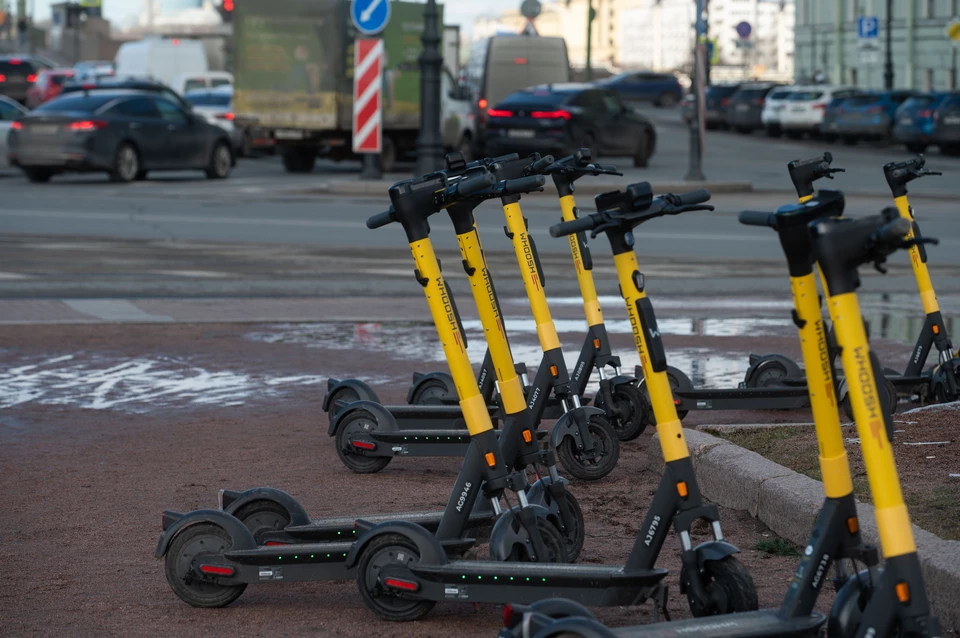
<point>888,65</point>
<point>695,165</point>
<point>429,142</point>
<point>588,72</point>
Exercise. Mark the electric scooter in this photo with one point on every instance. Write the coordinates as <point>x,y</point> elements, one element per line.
<point>212,556</point>
<point>872,602</point>
<point>401,574</point>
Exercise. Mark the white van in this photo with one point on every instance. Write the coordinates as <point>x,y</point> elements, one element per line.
<point>161,59</point>
<point>201,81</point>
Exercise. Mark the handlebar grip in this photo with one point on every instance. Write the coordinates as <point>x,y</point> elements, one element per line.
<point>380,219</point>
<point>757,218</point>
<point>892,232</point>
<point>541,164</point>
<point>587,222</point>
<point>469,185</point>
<point>524,184</point>
<point>698,196</point>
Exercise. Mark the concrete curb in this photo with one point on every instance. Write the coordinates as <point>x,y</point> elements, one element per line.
<point>379,188</point>
<point>788,502</point>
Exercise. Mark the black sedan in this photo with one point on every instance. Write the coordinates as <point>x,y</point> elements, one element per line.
<point>560,118</point>
<point>124,133</point>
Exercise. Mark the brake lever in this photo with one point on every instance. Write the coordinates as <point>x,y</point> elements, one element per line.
<point>879,267</point>
<point>608,222</point>
<point>926,172</point>
<point>831,171</point>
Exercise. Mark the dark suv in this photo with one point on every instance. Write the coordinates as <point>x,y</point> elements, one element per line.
<point>16,75</point>
<point>663,89</point>
<point>746,105</point>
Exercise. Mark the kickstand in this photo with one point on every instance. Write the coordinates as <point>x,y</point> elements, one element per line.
<point>660,603</point>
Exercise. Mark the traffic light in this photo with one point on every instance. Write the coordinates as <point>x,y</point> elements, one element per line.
<point>226,10</point>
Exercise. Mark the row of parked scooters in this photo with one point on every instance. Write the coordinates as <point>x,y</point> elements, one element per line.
<point>404,563</point>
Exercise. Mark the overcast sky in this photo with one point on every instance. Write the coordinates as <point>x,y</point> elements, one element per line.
<point>460,12</point>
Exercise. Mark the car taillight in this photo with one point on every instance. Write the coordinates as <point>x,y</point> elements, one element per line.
<point>499,113</point>
<point>551,115</point>
<point>3,78</point>
<point>32,78</point>
<point>519,60</point>
<point>819,107</point>
<point>482,103</point>
<point>17,126</point>
<point>224,116</point>
<point>88,125</point>
<point>925,113</point>
<point>758,101</point>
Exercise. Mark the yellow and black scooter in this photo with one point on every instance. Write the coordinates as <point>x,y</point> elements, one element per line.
<point>874,602</point>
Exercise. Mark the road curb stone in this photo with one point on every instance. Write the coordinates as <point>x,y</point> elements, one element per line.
<point>787,502</point>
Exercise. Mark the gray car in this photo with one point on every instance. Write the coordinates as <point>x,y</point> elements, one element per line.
<point>746,106</point>
<point>123,133</point>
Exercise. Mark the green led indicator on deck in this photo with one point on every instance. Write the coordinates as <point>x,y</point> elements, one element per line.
<point>311,555</point>
<point>328,555</point>
<point>296,558</point>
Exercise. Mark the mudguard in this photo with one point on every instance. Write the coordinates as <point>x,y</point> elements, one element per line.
<point>684,384</point>
<point>232,502</point>
<point>240,536</point>
<point>504,536</point>
<point>364,391</point>
<point>761,362</point>
<point>431,551</point>
<point>845,613</point>
<point>537,495</point>
<point>420,378</point>
<point>620,379</point>
<point>714,550</point>
<point>384,419</point>
<point>566,425</point>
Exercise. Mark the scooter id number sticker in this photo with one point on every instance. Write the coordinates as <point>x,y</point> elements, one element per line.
<point>274,573</point>
<point>455,592</point>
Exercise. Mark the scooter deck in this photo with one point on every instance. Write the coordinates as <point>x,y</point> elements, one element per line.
<point>780,398</point>
<point>340,528</point>
<point>763,623</point>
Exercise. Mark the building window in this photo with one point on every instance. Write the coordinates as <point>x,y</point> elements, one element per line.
<point>953,7</point>
<point>928,80</point>
<point>802,11</point>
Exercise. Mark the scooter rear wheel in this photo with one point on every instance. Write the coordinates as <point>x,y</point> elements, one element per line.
<point>343,394</point>
<point>886,387</point>
<point>729,584</point>
<point>634,412</point>
<point>431,392</point>
<point>263,516</point>
<point>553,541</point>
<point>599,463</point>
<point>381,552</point>
<point>189,586</point>
<point>358,422</point>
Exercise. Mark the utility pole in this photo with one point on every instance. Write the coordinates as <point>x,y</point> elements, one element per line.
<point>591,14</point>
<point>21,23</point>
<point>695,166</point>
<point>888,66</point>
<point>429,142</point>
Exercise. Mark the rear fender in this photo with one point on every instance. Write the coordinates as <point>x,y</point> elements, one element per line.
<point>381,414</point>
<point>240,536</point>
<point>504,536</point>
<point>714,550</point>
<point>621,379</point>
<point>567,424</point>
<point>430,549</point>
<point>364,391</point>
<point>234,501</point>
<point>419,379</point>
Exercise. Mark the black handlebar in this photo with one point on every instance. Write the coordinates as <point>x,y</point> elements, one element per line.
<point>899,173</point>
<point>892,234</point>
<point>470,185</point>
<point>692,198</point>
<point>523,185</point>
<point>574,226</point>
<point>380,219</point>
<point>757,218</point>
<point>537,167</point>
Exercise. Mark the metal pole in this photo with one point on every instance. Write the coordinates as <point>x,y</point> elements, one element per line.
<point>695,165</point>
<point>953,68</point>
<point>587,72</point>
<point>888,66</point>
<point>429,142</point>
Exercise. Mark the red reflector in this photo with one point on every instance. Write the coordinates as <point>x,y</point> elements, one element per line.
<point>499,113</point>
<point>508,616</point>
<point>365,445</point>
<point>274,543</point>
<point>3,78</point>
<point>551,115</point>
<point>405,585</point>
<point>16,126</point>
<point>32,77</point>
<point>219,571</point>
<point>519,60</point>
<point>88,125</point>
<point>225,116</point>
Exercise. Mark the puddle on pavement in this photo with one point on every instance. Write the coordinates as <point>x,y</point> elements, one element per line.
<point>137,385</point>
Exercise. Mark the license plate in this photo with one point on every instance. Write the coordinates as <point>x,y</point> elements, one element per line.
<point>743,107</point>
<point>797,109</point>
<point>952,119</point>
<point>521,133</point>
<point>906,121</point>
<point>44,129</point>
<point>288,134</point>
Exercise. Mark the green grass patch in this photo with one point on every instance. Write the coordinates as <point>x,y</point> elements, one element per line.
<point>777,547</point>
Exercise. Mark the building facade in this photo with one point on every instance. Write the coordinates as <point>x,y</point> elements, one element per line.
<point>924,58</point>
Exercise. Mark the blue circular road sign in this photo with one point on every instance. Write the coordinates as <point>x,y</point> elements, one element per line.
<point>744,30</point>
<point>370,16</point>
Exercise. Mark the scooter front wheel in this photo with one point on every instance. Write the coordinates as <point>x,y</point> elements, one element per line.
<point>358,424</point>
<point>431,392</point>
<point>553,541</point>
<point>384,551</point>
<point>189,586</point>
<point>634,412</point>
<point>729,586</point>
<point>594,465</point>
<point>574,534</point>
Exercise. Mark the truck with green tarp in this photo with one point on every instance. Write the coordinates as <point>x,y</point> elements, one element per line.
<point>293,79</point>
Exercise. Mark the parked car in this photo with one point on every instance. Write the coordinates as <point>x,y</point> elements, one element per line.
<point>560,118</point>
<point>805,109</point>
<point>124,133</point>
<point>10,112</point>
<point>717,99</point>
<point>17,73</point>
<point>746,106</point>
<point>915,122</point>
<point>93,70</point>
<point>868,116</point>
<point>207,80</point>
<point>48,85</point>
<point>946,128</point>
<point>134,84</point>
<point>215,105</point>
<point>773,106</point>
<point>662,89</point>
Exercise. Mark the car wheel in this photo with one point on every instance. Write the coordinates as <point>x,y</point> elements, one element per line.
<point>744,130</point>
<point>38,175</point>
<point>849,140</point>
<point>667,100</point>
<point>773,130</point>
<point>589,141</point>
<point>126,164</point>
<point>299,160</point>
<point>916,147</point>
<point>794,135</point>
<point>141,175</point>
<point>246,145</point>
<point>829,137</point>
<point>221,161</point>
<point>641,158</point>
